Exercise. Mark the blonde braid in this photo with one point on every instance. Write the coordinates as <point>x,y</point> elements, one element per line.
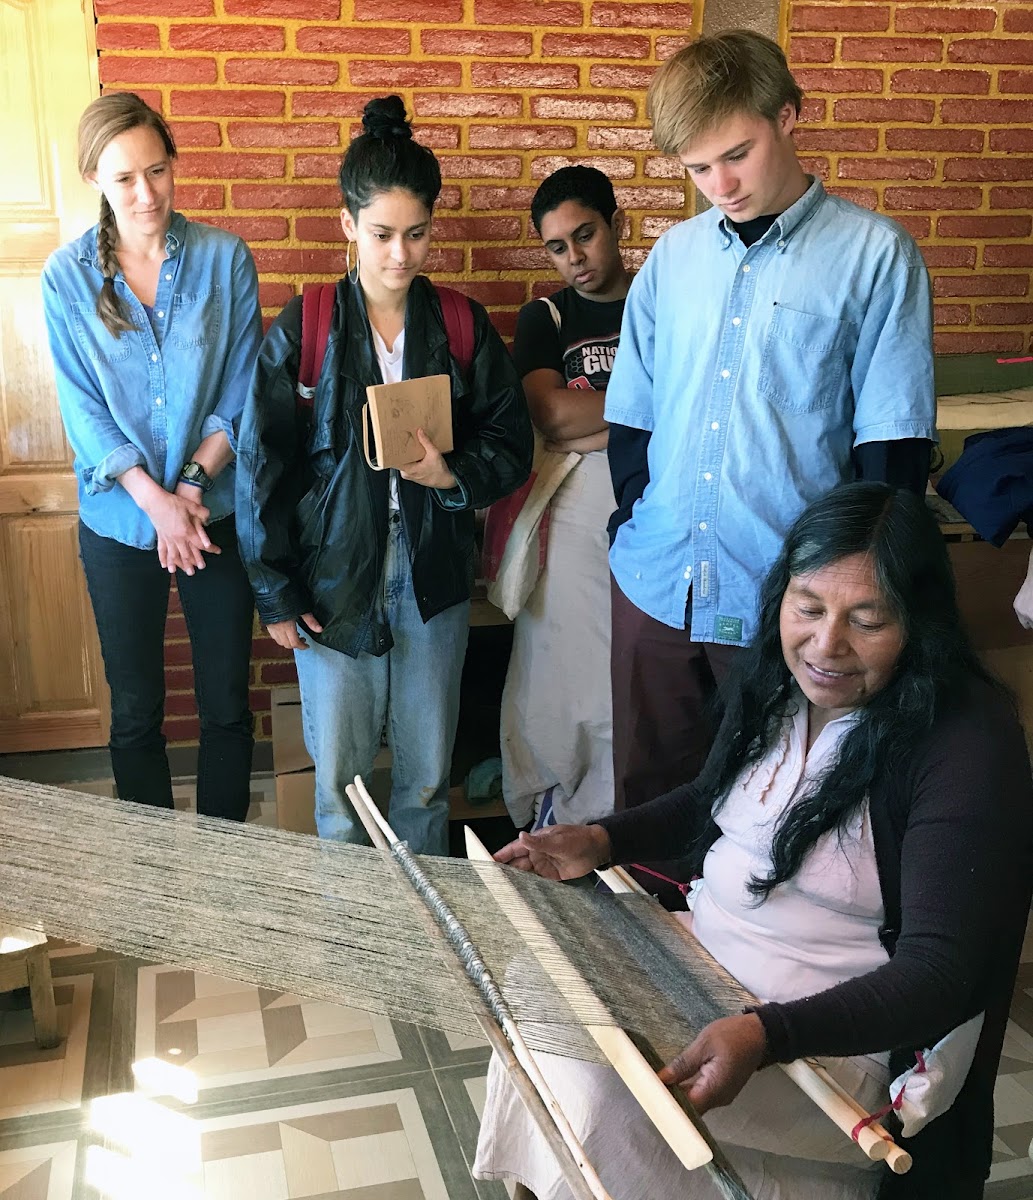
<point>109,307</point>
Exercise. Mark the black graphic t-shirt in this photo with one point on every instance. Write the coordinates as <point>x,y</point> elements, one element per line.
<point>584,346</point>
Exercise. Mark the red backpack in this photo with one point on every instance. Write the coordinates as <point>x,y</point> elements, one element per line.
<point>318,301</point>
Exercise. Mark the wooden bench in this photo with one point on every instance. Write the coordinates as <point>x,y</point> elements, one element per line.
<point>24,962</point>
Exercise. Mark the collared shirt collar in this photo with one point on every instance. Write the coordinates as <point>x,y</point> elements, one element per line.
<point>785,224</point>
<point>174,237</point>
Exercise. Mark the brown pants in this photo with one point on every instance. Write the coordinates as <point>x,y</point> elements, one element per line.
<point>661,681</point>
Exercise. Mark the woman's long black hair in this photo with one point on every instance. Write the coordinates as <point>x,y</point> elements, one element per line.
<point>912,569</point>
<point>384,156</point>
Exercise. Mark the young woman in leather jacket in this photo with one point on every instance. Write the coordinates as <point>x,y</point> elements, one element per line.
<point>365,574</point>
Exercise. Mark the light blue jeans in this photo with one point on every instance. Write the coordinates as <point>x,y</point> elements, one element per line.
<point>414,689</point>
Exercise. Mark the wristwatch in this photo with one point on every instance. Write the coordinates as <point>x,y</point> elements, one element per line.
<point>194,473</point>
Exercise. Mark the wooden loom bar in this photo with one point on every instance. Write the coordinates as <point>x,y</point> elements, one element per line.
<point>673,1124</point>
<point>813,1080</point>
<point>524,1073</point>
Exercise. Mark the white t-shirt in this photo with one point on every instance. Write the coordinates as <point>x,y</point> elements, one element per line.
<point>391,371</point>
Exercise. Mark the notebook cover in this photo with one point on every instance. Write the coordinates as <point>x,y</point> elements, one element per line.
<point>397,410</point>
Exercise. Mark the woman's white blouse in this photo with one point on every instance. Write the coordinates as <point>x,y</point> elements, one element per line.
<point>822,926</point>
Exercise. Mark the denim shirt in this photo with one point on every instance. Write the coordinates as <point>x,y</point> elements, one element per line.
<point>151,396</point>
<point>757,371</point>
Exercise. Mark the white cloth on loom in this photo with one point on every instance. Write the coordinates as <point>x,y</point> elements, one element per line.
<point>814,932</point>
<point>557,721</point>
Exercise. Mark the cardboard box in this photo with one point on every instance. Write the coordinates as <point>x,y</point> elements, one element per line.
<point>289,753</point>
<point>296,801</point>
<point>987,580</point>
<point>292,764</point>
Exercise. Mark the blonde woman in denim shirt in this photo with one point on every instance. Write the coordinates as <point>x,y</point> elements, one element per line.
<point>154,326</point>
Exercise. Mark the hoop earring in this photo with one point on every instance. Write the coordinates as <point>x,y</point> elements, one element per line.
<point>351,272</point>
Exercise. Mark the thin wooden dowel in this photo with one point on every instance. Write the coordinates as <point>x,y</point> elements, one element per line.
<point>671,1122</point>
<point>545,1110</point>
<point>812,1079</point>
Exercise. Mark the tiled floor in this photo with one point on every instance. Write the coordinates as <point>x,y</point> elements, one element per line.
<point>171,1085</point>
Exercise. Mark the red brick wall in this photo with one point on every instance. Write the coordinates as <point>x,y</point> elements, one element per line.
<point>922,110</point>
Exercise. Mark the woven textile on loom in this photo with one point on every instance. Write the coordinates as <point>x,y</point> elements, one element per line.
<point>338,923</point>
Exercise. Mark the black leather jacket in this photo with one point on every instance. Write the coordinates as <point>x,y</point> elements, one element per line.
<point>312,516</point>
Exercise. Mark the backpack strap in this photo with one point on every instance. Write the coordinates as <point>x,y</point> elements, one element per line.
<point>318,301</point>
<point>554,312</point>
<point>455,308</point>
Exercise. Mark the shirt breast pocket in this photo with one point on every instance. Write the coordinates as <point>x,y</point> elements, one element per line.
<point>806,360</point>
<point>100,345</point>
<point>195,319</point>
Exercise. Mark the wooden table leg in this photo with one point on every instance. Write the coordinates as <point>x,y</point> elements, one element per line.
<point>41,991</point>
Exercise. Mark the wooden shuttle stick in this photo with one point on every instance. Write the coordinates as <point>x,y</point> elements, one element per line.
<point>641,1080</point>
<point>813,1080</point>
<point>579,1174</point>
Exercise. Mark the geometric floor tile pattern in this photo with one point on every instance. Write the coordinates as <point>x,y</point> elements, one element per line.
<point>228,1033</point>
<point>38,1172</point>
<point>290,1097</point>
<point>364,1148</point>
<point>34,1081</point>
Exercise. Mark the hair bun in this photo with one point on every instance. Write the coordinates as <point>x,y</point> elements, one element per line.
<point>385,118</point>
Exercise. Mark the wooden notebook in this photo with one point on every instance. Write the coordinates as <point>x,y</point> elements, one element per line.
<point>394,411</point>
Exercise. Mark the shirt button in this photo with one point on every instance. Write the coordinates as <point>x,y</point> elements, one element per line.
<point>715,426</point>
<point>725,374</point>
<point>154,358</point>
<point>736,320</point>
<point>781,245</point>
<point>746,269</point>
<point>160,314</point>
<point>158,400</point>
<point>688,573</point>
<point>168,276</point>
<point>703,525</point>
<point>707,476</point>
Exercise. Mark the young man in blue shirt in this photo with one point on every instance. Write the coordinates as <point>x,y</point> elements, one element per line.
<point>772,347</point>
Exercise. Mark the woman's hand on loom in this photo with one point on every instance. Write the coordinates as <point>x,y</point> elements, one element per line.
<point>719,1063</point>
<point>431,470</point>
<point>558,851</point>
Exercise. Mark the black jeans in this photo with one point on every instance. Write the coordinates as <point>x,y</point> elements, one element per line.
<point>129,591</point>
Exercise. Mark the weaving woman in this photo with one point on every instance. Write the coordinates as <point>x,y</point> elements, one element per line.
<point>864,831</point>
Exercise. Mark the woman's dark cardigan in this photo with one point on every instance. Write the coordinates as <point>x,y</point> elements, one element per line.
<point>954,845</point>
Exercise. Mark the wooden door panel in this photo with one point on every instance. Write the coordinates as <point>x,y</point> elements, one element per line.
<point>26,182</point>
<point>33,437</point>
<point>47,612</point>
<point>49,680</point>
<point>52,692</point>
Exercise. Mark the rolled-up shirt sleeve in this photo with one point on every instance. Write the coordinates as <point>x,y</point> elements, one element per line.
<point>245,337</point>
<point>102,449</point>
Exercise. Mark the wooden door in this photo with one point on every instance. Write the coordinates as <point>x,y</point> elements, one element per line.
<point>52,692</point>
